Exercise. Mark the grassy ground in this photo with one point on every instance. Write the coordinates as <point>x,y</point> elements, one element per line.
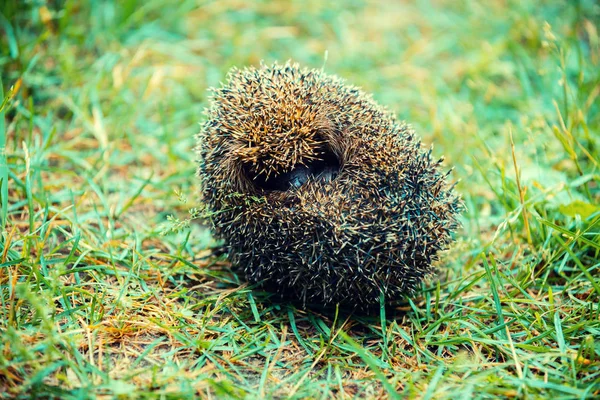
<point>101,103</point>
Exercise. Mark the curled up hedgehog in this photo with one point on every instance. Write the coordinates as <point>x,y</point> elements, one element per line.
<point>318,192</point>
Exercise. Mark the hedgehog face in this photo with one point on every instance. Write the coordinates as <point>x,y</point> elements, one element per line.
<point>317,191</point>
<point>325,168</point>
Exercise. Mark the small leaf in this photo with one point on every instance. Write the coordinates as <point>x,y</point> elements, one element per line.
<point>579,207</point>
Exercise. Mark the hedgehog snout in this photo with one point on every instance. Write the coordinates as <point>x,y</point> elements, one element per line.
<point>324,169</point>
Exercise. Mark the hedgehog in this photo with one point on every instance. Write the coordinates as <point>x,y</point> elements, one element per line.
<point>317,192</point>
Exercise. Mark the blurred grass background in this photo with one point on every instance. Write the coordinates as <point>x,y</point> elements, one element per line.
<point>101,101</point>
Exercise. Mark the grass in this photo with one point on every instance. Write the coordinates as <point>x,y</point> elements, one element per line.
<point>101,103</point>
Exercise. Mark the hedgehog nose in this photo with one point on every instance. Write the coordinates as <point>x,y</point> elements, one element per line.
<point>295,178</point>
<point>298,181</point>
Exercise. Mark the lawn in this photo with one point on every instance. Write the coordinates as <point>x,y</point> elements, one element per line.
<point>110,287</point>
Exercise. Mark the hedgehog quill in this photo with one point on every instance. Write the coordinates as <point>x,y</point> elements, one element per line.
<point>318,192</point>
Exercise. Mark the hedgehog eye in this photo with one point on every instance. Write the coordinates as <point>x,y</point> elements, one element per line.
<point>325,168</point>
